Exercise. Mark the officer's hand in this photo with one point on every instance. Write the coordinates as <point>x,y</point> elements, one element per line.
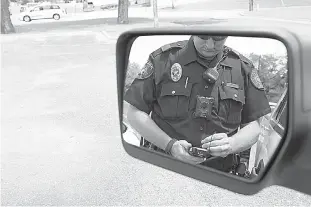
<point>218,145</point>
<point>180,151</point>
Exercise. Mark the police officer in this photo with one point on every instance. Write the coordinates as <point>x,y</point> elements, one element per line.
<point>199,93</point>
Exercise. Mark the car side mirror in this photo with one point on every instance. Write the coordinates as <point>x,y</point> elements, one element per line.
<point>176,99</point>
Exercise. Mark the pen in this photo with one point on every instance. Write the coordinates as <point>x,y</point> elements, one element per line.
<point>186,83</point>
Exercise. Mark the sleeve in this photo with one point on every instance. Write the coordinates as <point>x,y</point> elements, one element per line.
<point>256,102</point>
<point>141,93</point>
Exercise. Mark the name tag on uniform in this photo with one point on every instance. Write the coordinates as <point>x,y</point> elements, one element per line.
<point>233,85</point>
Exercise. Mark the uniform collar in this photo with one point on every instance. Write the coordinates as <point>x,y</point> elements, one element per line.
<point>226,62</point>
<point>188,53</point>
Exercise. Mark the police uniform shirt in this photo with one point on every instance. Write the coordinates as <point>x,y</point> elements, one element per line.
<point>238,93</point>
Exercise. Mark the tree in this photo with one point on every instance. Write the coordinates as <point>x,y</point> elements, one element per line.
<point>24,2</point>
<point>132,71</point>
<point>272,71</point>
<point>173,4</point>
<point>6,23</point>
<point>155,13</point>
<point>123,12</point>
<point>251,5</point>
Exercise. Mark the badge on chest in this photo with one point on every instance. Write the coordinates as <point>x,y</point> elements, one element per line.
<point>176,72</point>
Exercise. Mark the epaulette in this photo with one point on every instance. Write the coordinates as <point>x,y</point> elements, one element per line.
<point>231,51</point>
<point>167,47</point>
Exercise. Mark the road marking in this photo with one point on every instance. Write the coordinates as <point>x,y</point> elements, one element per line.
<point>105,34</point>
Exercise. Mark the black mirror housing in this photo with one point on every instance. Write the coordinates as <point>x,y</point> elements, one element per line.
<point>290,165</point>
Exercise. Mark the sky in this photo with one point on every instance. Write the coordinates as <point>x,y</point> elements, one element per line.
<point>144,45</point>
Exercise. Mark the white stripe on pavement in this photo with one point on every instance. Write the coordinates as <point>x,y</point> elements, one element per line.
<point>106,34</point>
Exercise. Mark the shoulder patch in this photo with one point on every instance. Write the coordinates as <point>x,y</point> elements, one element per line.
<point>256,80</point>
<point>146,71</point>
<point>167,47</point>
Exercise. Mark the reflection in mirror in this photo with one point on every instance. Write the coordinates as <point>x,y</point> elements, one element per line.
<point>214,101</point>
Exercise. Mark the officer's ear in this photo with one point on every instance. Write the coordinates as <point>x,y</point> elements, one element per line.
<point>281,75</point>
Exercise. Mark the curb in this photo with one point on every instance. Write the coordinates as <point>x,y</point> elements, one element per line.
<point>258,15</point>
<point>119,31</point>
<point>101,36</point>
<point>300,21</point>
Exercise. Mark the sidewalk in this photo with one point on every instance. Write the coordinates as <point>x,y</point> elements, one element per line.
<point>292,14</point>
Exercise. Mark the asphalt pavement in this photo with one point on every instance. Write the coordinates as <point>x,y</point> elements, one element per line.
<point>209,5</point>
<point>60,141</point>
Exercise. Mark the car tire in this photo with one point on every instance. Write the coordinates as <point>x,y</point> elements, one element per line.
<point>27,18</point>
<point>56,16</point>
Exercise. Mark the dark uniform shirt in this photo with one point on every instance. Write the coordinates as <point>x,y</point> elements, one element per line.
<point>238,94</point>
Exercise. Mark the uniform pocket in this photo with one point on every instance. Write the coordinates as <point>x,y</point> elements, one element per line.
<point>174,100</point>
<point>231,104</point>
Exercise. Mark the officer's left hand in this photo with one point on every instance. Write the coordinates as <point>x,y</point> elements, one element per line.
<point>218,145</point>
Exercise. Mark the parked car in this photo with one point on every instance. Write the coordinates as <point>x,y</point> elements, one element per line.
<point>26,6</point>
<point>22,9</point>
<point>272,130</point>
<point>109,6</point>
<point>112,6</point>
<point>48,11</point>
<point>88,6</point>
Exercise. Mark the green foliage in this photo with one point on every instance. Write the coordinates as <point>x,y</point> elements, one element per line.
<point>132,72</point>
<point>272,71</point>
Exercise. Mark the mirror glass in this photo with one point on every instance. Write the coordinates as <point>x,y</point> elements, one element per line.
<point>221,99</point>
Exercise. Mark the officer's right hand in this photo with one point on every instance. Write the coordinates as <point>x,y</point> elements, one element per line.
<point>180,151</point>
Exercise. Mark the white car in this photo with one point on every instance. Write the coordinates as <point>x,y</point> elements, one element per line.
<point>272,131</point>
<point>48,11</point>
